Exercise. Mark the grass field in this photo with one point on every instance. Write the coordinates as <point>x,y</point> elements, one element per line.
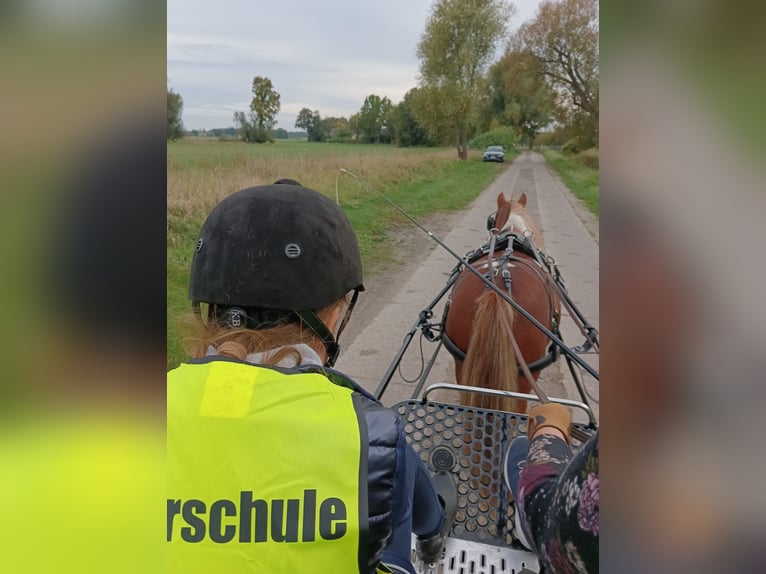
<point>581,179</point>
<point>421,180</point>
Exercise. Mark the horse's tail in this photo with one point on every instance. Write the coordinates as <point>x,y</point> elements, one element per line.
<point>490,361</point>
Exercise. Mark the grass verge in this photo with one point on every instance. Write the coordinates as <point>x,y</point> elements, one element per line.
<point>582,180</point>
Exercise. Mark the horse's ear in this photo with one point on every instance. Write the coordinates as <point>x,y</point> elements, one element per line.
<point>501,201</point>
<point>523,199</point>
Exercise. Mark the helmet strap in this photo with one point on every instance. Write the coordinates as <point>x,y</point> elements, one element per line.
<point>321,332</point>
<point>349,310</point>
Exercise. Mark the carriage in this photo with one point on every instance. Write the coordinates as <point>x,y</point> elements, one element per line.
<point>469,437</point>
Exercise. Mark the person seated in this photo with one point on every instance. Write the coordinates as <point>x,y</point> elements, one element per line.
<point>278,462</point>
<point>556,492</point>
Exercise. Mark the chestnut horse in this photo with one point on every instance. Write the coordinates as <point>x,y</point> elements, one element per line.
<point>478,320</point>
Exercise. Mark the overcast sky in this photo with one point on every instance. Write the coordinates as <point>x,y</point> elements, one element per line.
<point>320,54</point>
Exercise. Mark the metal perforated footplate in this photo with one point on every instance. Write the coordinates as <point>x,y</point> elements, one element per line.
<point>464,557</point>
<point>471,444</point>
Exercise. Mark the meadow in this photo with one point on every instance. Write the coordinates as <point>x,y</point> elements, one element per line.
<point>201,172</point>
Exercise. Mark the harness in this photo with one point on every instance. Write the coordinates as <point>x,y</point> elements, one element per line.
<point>506,244</point>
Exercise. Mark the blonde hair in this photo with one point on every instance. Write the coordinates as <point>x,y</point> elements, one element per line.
<point>200,335</point>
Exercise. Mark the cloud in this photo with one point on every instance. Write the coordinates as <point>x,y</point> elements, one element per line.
<point>325,55</point>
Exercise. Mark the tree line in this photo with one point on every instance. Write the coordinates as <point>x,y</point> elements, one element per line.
<point>234,133</point>
<point>377,121</point>
<point>546,78</point>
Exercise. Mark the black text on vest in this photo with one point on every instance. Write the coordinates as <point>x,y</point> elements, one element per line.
<point>290,520</point>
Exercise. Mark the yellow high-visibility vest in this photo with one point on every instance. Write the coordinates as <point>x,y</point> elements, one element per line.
<point>264,472</point>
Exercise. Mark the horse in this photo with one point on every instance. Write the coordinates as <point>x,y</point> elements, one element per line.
<point>477,320</point>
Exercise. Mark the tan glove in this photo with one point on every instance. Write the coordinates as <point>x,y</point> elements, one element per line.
<point>551,415</point>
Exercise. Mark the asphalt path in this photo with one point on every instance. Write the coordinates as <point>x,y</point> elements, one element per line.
<point>395,298</point>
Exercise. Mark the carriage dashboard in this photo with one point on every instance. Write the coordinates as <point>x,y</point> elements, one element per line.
<point>471,443</point>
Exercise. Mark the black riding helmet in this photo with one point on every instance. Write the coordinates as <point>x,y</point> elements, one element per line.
<point>273,254</point>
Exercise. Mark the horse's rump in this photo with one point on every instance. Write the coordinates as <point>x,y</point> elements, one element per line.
<point>478,321</point>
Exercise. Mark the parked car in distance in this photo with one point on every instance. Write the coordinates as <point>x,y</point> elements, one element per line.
<point>494,153</point>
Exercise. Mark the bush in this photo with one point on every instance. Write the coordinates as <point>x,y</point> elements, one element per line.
<point>573,146</point>
<point>589,157</point>
<point>505,137</point>
<point>548,139</point>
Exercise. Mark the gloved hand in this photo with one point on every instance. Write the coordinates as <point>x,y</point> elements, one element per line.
<point>549,415</point>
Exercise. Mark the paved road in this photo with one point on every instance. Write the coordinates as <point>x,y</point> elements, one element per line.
<point>571,237</point>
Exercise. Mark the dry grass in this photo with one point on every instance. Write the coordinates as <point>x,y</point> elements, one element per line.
<point>195,186</point>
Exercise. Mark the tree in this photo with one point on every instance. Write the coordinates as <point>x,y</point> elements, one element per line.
<point>518,95</point>
<point>408,131</point>
<point>312,123</point>
<point>256,125</point>
<point>455,49</point>
<point>265,103</point>
<point>372,116</point>
<point>248,130</point>
<point>335,129</point>
<point>354,126</point>
<point>563,37</point>
<point>388,124</point>
<point>304,121</point>
<point>175,128</point>
<point>435,119</point>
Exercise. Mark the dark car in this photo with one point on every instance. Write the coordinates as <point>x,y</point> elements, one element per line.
<point>494,153</point>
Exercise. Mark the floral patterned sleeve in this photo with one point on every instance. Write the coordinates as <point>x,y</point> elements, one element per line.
<point>559,503</point>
